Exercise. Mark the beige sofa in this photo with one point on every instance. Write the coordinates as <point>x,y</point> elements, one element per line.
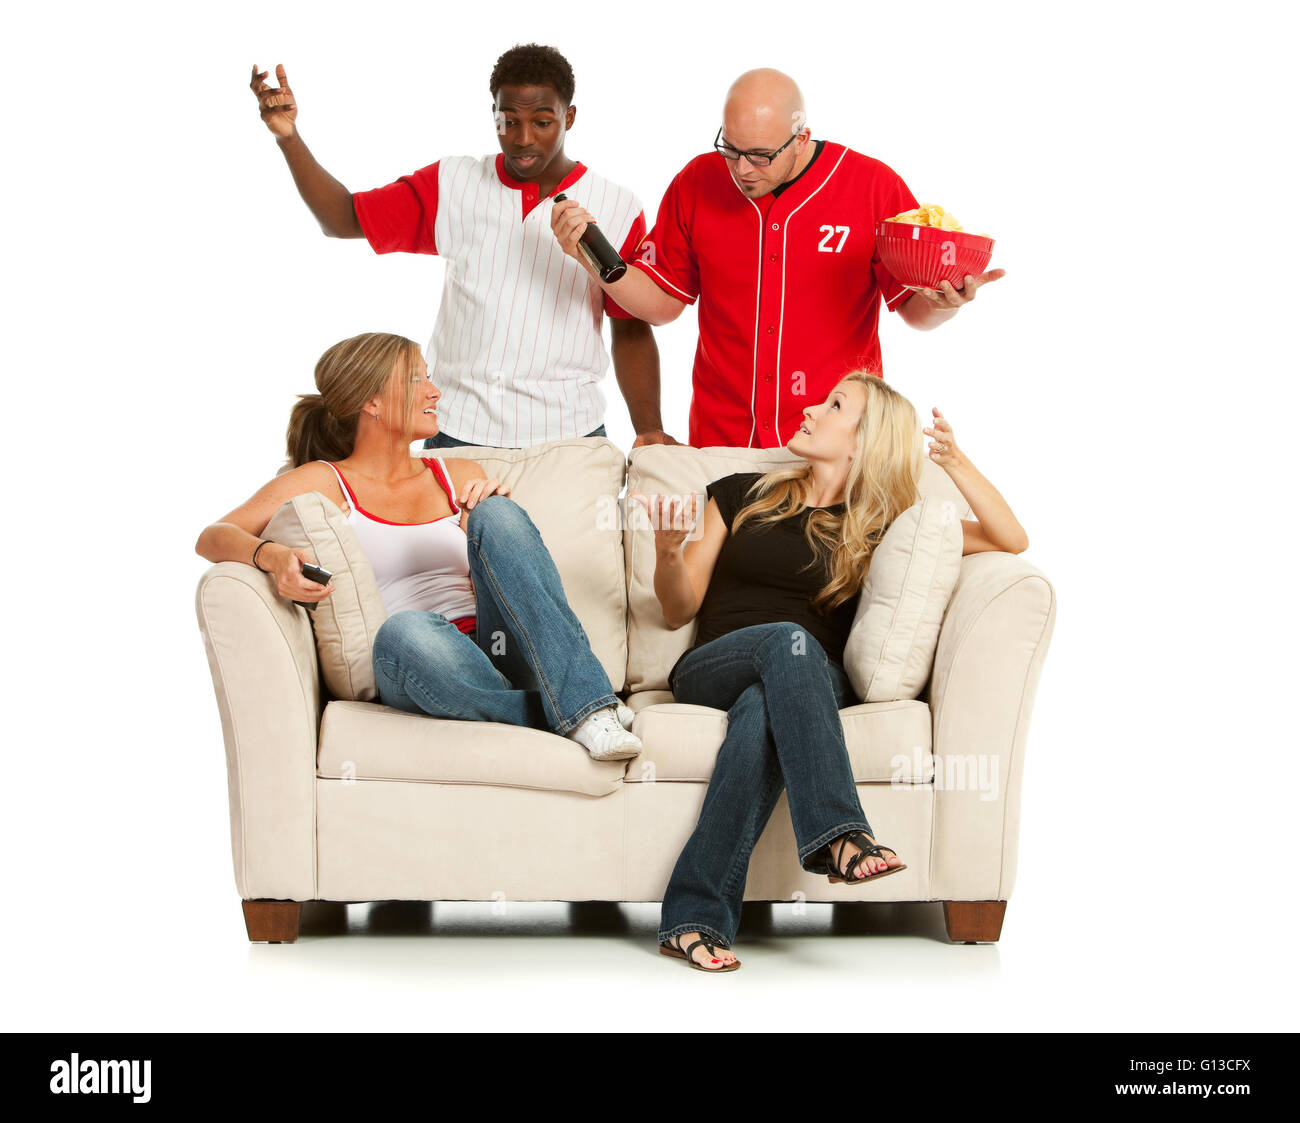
<point>352,801</point>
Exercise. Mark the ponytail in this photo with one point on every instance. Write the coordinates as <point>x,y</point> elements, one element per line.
<point>316,434</point>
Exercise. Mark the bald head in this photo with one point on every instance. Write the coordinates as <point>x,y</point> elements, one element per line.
<point>763,111</point>
<point>763,104</point>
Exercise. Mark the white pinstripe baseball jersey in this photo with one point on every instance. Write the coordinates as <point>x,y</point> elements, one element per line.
<point>517,349</point>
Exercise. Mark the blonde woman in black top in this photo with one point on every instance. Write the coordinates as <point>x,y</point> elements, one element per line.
<point>774,578</point>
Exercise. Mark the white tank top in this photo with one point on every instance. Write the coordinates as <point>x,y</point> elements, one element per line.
<point>420,566</point>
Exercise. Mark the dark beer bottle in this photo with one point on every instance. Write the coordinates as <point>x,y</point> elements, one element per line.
<point>595,247</point>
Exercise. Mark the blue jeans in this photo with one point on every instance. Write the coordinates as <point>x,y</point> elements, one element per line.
<point>441,440</point>
<point>528,661</point>
<point>782,696</point>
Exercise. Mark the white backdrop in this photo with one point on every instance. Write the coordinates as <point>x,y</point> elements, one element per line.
<point>1129,387</point>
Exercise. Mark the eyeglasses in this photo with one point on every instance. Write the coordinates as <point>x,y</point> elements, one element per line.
<point>758,159</point>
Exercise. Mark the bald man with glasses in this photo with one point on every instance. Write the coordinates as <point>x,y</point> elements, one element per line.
<point>774,234</point>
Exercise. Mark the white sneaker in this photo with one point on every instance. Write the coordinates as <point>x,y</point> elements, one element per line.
<point>625,716</point>
<point>604,738</point>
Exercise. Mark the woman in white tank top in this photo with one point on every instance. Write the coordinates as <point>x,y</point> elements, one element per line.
<point>479,628</point>
<point>420,566</point>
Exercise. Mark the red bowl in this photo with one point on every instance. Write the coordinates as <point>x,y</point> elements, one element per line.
<point>925,255</point>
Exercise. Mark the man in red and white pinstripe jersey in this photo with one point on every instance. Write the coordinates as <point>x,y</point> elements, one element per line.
<point>517,349</point>
<point>774,234</point>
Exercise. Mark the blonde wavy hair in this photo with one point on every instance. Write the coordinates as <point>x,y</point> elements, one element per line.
<point>884,478</point>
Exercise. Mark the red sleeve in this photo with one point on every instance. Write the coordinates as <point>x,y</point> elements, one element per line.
<point>895,199</point>
<point>667,255</point>
<point>627,251</point>
<point>400,217</point>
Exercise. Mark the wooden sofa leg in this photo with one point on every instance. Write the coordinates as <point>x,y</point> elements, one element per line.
<point>272,922</point>
<point>970,922</point>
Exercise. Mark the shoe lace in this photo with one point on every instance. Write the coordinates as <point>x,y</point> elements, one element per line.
<point>609,722</point>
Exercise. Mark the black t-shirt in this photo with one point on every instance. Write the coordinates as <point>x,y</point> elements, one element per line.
<point>760,575</point>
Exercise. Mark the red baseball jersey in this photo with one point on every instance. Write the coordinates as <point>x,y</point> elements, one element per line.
<point>789,287</point>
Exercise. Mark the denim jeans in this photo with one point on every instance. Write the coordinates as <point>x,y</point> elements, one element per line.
<point>528,662</point>
<point>782,696</point>
<point>441,440</point>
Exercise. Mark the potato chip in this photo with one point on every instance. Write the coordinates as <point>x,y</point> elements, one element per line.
<point>928,214</point>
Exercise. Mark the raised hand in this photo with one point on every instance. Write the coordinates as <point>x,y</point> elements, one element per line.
<point>278,107</point>
<point>943,445</point>
<point>673,517</point>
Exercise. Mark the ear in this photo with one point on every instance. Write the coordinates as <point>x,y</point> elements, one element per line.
<point>569,115</point>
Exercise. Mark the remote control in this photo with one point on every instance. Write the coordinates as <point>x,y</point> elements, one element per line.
<point>317,574</point>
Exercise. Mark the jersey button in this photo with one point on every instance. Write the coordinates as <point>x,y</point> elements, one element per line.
<point>767,378</point>
<point>770,330</point>
<point>766,425</point>
<point>776,226</point>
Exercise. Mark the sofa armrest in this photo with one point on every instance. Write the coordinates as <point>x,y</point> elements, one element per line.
<point>992,644</point>
<point>263,660</point>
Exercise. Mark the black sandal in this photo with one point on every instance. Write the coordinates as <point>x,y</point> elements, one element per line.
<point>866,849</point>
<point>673,949</point>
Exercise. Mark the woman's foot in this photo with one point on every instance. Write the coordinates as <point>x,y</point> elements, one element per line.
<point>717,960</point>
<point>604,738</point>
<point>843,849</point>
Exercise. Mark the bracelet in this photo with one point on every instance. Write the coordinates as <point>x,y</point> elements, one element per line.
<point>264,542</point>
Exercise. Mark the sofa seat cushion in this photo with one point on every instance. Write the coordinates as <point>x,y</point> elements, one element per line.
<point>887,741</point>
<point>639,699</point>
<point>366,741</point>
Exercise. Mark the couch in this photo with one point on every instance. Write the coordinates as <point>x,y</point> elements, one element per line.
<point>348,801</point>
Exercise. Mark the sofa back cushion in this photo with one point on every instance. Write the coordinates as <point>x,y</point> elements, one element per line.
<point>677,469</point>
<point>890,648</point>
<point>570,490</point>
<point>345,622</point>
